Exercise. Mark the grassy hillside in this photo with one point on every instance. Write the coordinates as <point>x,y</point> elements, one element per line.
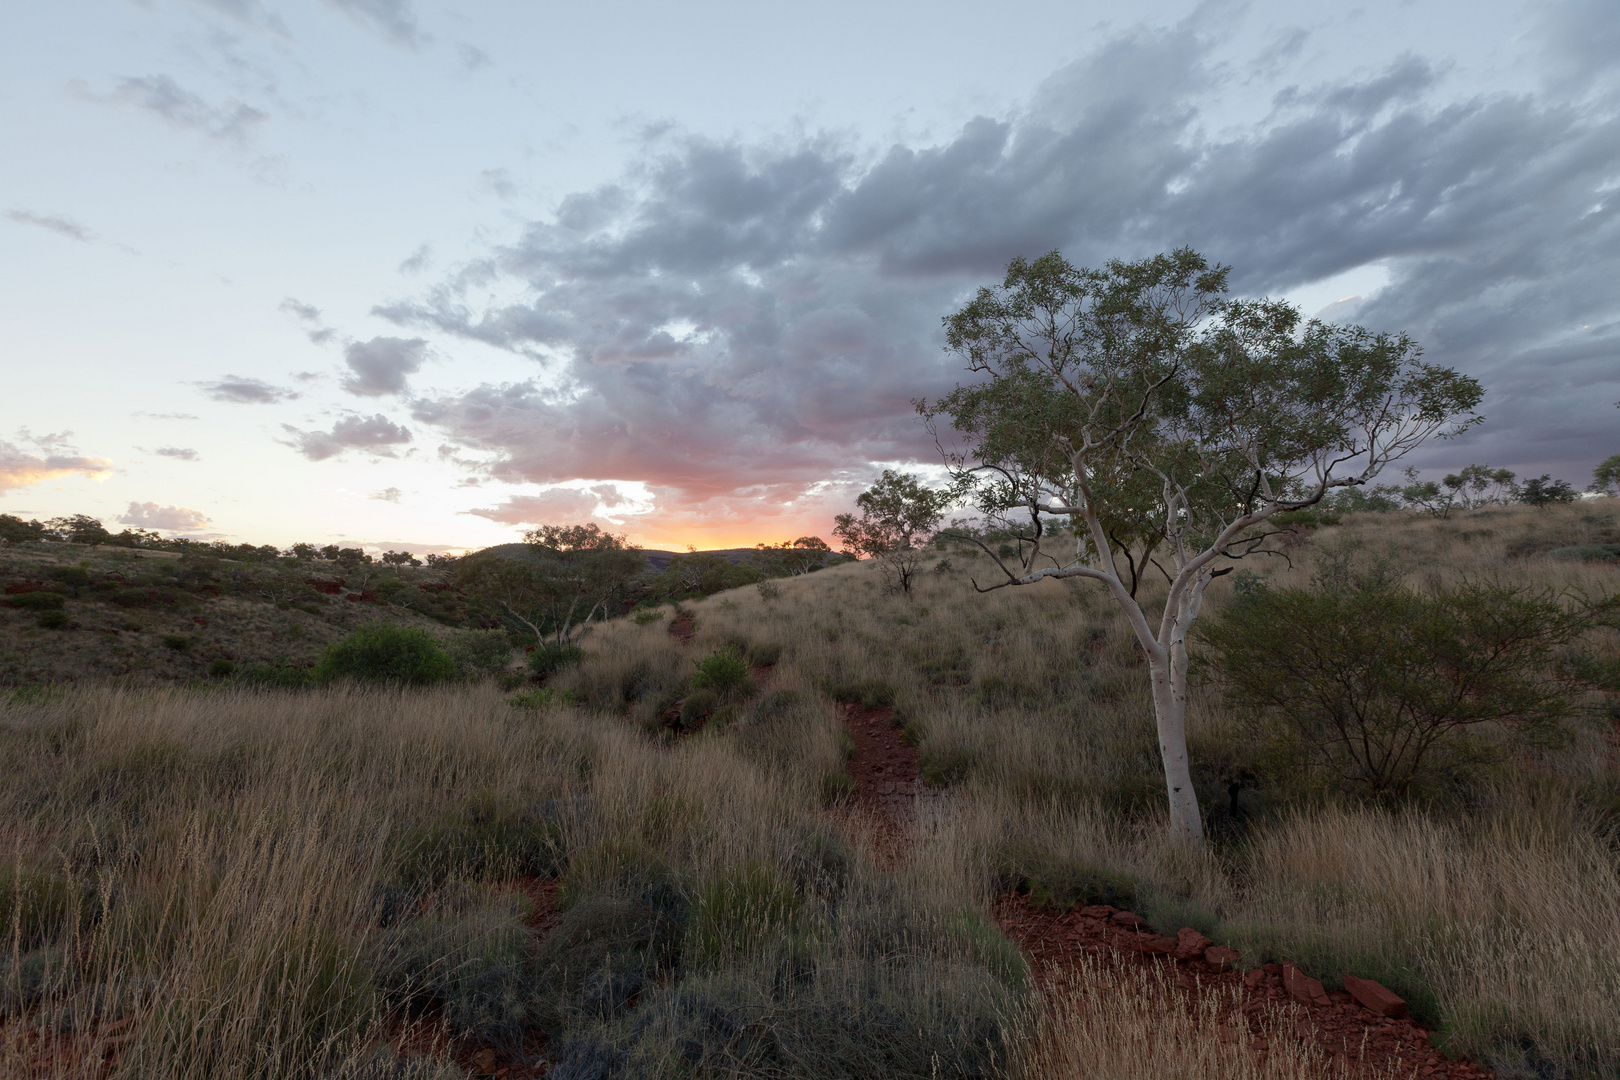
<point>663,880</point>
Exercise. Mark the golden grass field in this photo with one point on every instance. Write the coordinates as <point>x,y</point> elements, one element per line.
<point>191,879</point>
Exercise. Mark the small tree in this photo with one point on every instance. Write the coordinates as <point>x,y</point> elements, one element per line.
<point>571,576</point>
<point>897,516</point>
<point>1543,490</point>
<point>794,557</point>
<point>1606,477</point>
<point>1169,424</point>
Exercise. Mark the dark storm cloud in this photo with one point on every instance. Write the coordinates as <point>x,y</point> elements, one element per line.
<point>735,320</point>
<point>373,434</point>
<point>245,391</point>
<point>380,366</point>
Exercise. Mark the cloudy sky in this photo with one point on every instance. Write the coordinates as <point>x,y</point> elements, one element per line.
<point>402,273</point>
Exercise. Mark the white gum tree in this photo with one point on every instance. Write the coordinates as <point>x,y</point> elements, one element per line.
<point>1164,425</point>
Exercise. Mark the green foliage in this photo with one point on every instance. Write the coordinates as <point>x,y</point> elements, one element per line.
<point>14,530</point>
<point>648,615</point>
<point>897,516</point>
<point>387,654</point>
<point>741,911</point>
<point>764,653</point>
<point>1606,477</point>
<point>867,693</point>
<point>38,600</point>
<point>1543,490</point>
<point>1598,553</point>
<point>281,675</point>
<point>1366,681</point>
<point>1057,884</point>
<point>221,667</point>
<point>550,657</point>
<point>724,671</point>
<point>696,706</point>
<point>479,653</point>
<point>484,839</point>
<point>176,642</point>
<point>74,577</point>
<point>53,620</point>
<point>942,766</point>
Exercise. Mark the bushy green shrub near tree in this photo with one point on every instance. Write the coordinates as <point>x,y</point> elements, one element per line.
<point>724,671</point>
<point>1371,684</point>
<point>387,654</point>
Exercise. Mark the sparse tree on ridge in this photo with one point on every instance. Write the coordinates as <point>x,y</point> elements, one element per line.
<point>1168,424</point>
<point>897,515</point>
<point>1606,477</point>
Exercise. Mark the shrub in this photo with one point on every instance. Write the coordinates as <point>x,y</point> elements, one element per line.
<point>649,615</point>
<point>868,694</point>
<point>1058,884</point>
<point>387,654</point>
<point>723,671</point>
<point>280,675</point>
<point>177,642</point>
<point>697,705</point>
<point>479,653</point>
<point>38,600</point>
<point>75,577</point>
<point>470,963</point>
<point>1365,680</point>
<point>769,590</point>
<point>54,620</point>
<point>551,657</point>
<point>484,839</point>
<point>764,653</point>
<point>221,667</point>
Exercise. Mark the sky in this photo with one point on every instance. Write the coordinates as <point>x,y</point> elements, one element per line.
<point>421,276</point>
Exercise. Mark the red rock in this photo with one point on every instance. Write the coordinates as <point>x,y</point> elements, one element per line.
<point>1157,944</point>
<point>1271,969</point>
<point>1302,988</point>
<point>1097,911</point>
<point>1254,978</point>
<point>1221,958</point>
<point>1375,997</point>
<point>1129,919</point>
<point>1190,944</point>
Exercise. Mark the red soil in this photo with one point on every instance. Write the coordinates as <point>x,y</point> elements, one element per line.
<point>681,628</point>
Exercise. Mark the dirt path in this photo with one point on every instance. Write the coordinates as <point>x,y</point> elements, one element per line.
<point>884,812</point>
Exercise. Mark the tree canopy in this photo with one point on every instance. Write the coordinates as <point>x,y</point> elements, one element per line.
<point>1168,423</point>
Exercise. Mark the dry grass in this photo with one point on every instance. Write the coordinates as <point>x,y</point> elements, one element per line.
<point>203,863</point>
<point>1103,1023</point>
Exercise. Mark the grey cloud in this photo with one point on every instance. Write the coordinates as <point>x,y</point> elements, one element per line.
<point>733,320</point>
<point>497,182</point>
<point>61,226</point>
<point>246,391</point>
<point>417,261</point>
<point>180,453</point>
<point>310,316</point>
<point>380,366</point>
<point>394,19</point>
<point>373,434</point>
<point>389,494</point>
<point>550,507</point>
<point>233,122</point>
<point>472,57</point>
<point>151,515</point>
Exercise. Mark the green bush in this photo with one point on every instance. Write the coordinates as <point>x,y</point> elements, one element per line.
<point>38,600</point>
<point>697,705</point>
<point>479,653</point>
<point>53,620</point>
<point>221,667</point>
<point>724,671</point>
<point>1059,884</point>
<point>75,577</point>
<point>868,694</point>
<point>177,642</point>
<point>387,654</point>
<point>551,657</point>
<point>764,653</point>
<point>648,615</point>
<point>280,675</point>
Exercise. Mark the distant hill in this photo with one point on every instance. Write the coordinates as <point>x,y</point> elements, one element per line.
<point>656,558</point>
